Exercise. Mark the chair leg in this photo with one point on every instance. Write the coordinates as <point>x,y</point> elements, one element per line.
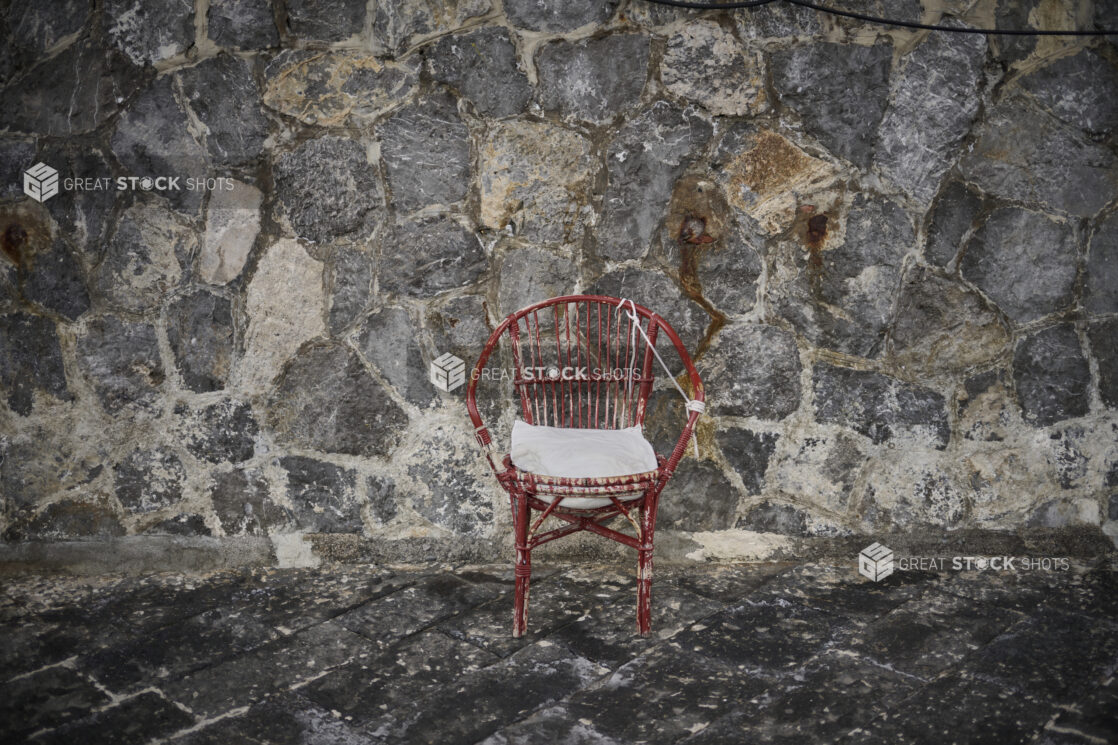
<point>523,569</point>
<point>644,591</point>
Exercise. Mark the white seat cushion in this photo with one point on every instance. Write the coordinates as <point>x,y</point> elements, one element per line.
<point>582,454</point>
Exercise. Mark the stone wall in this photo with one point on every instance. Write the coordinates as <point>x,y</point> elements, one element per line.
<point>894,254</point>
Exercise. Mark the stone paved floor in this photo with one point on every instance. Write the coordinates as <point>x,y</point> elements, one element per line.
<point>740,654</point>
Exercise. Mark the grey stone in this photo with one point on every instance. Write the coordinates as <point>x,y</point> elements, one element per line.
<point>71,93</point>
<point>482,65</point>
<point>878,406</point>
<point>705,63</point>
<point>821,469</point>
<point>325,20</point>
<point>67,520</point>
<point>54,282</point>
<point>752,370</point>
<point>1103,336</point>
<point>150,31</point>
<point>1100,295</point>
<point>143,260</point>
<point>399,24</point>
<point>389,341</point>
<point>1014,14</point>
<point>942,326</point>
<point>152,139</point>
<point>1067,456</point>
<point>350,279</point>
<point>242,24</point>
<point>201,332</point>
<point>699,497</point>
<point>322,495</point>
<point>430,255</point>
<point>30,360</point>
<point>149,480</point>
<point>1072,89</point>
<point>383,499</point>
<point>460,325</point>
<point>40,26</point>
<point>456,499</point>
<point>529,275</point>
<point>774,517</point>
<point>121,360</point>
<point>594,80</point>
<point>224,432</point>
<point>748,453</point>
<point>87,214</point>
<point>840,92</point>
<point>15,157</point>
<point>327,401</point>
<point>426,149</point>
<point>643,163</point>
<point>1024,154</point>
<point>1055,513</point>
<point>183,524</point>
<point>935,100</point>
<point>1051,375</point>
<point>777,21</point>
<point>955,213</point>
<point>927,497</point>
<point>235,127</point>
<point>328,189</point>
<point>534,15</point>
<point>1025,262</point>
<point>657,292</point>
<point>728,271</point>
<point>232,225</point>
<point>239,497</point>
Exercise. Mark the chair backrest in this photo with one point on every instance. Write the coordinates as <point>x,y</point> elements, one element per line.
<point>579,361</point>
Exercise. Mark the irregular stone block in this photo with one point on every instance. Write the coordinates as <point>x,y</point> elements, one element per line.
<point>774,517</point>
<point>389,341</point>
<point>232,224</point>
<point>66,520</point>
<point>242,24</point>
<point>285,306</point>
<point>1070,88</point>
<point>460,325</point>
<point>903,489</point>
<point>840,92</point>
<point>235,126</point>
<point>1103,336</point>
<point>955,213</point>
<point>1062,513</point>
<point>149,480</point>
<point>778,21</point>
<point>880,407</point>
<point>322,495</point>
<point>819,468</point>
<point>593,80</point>
<point>87,214</point>
<point>1024,262</point>
<point>184,524</point>
<point>529,275</point>
<point>15,156</point>
<point>699,497</point>
<point>987,408</point>
<point>239,498</point>
<point>150,31</point>
<point>728,273</point>
<point>40,26</point>
<point>224,432</point>
<point>54,282</point>
<point>935,100</point>
<point>325,20</point>
<point>748,453</point>
<point>400,24</point>
<point>327,401</point>
<point>200,331</point>
<point>1014,14</point>
<point>426,150</point>
<point>350,279</point>
<point>643,163</point>
<point>483,67</point>
<point>456,498</point>
<point>1023,154</point>
<point>143,260</point>
<point>656,291</point>
<point>942,326</point>
<point>382,498</point>
<point>1100,295</point>
<point>705,63</point>
<point>428,256</point>
<point>152,139</point>
<point>328,189</point>
<point>536,179</point>
<point>558,17</point>
<point>752,370</point>
<point>337,88</point>
<point>30,360</point>
<point>121,360</point>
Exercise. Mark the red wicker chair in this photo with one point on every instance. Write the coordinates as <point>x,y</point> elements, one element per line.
<point>583,362</point>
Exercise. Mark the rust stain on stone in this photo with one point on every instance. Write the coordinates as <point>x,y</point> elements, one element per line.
<point>12,242</point>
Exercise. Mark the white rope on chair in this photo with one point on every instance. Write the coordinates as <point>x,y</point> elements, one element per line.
<point>690,404</point>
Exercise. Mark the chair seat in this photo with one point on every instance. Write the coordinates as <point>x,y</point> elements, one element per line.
<point>572,461</point>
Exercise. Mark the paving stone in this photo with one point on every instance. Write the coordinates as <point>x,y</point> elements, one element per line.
<point>30,360</point>
<point>1068,88</point>
<point>483,67</point>
<point>399,25</point>
<point>150,32</point>
<point>350,279</point>
<point>201,333</point>
<point>387,339</point>
<point>322,496</point>
<point>426,151</point>
<point>840,92</point>
<point>748,453</point>
<point>699,497</point>
<point>529,275</point>
<point>325,20</point>
<point>1051,375</point>
<point>291,600</point>
<point>643,163</point>
<point>593,80</point>
<point>954,214</point>
<point>328,189</point>
<point>285,719</point>
<point>535,16</point>
<point>841,591</point>
<point>326,400</point>
<point>705,63</point>
<point>149,480</point>
<point>753,370</point>
<point>242,24</point>
<point>136,720</point>
<point>1100,295</point>
<point>235,126</point>
<point>1102,335</point>
<point>55,282</point>
<point>1088,720</point>
<point>878,406</point>
<point>728,584</point>
<point>427,256</point>
<point>1094,593</point>
<point>45,699</point>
